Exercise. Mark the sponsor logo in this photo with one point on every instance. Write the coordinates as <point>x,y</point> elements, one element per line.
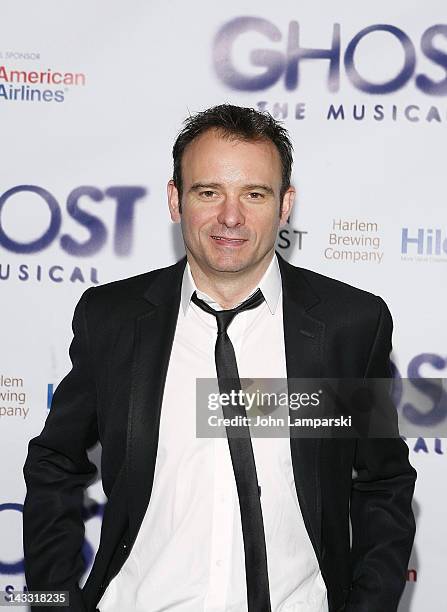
<point>354,241</point>
<point>423,245</point>
<point>48,85</point>
<point>13,398</point>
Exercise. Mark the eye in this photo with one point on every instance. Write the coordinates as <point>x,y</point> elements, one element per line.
<point>254,195</point>
<point>207,193</point>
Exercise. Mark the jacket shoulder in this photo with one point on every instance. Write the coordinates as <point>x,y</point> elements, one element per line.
<point>330,287</point>
<point>340,299</point>
<point>132,288</point>
<point>112,303</point>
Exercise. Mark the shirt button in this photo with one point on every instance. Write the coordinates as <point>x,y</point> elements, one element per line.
<point>219,563</point>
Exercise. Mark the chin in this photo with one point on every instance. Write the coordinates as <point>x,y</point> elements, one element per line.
<point>229,263</point>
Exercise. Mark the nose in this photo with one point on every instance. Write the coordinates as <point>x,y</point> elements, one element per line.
<point>230,212</point>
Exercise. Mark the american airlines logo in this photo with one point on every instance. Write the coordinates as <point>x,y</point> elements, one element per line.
<point>37,85</point>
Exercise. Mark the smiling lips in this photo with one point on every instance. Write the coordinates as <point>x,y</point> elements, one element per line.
<point>231,242</point>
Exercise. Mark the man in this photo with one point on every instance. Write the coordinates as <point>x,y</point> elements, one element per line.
<point>213,524</point>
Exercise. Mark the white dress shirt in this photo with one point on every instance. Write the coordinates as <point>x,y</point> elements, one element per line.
<point>189,552</point>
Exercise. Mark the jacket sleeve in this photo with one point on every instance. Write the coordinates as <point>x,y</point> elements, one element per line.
<point>382,520</point>
<point>56,471</point>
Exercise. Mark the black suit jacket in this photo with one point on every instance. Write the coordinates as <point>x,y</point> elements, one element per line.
<point>123,334</point>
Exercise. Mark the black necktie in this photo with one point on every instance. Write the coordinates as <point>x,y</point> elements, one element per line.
<point>241,451</point>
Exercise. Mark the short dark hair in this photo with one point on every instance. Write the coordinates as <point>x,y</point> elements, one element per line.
<point>236,122</point>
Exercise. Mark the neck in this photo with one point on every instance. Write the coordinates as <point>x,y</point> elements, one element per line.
<point>228,288</point>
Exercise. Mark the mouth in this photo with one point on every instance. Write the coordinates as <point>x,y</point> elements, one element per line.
<point>231,242</point>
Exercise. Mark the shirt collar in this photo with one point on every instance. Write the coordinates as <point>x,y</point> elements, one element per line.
<point>270,285</point>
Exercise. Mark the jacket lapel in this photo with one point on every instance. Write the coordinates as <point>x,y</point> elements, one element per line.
<point>154,334</point>
<point>304,341</point>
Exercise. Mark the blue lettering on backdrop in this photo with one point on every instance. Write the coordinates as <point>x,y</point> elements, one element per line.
<point>399,80</point>
<point>95,227</point>
<point>50,391</point>
<point>435,392</point>
<point>273,61</point>
<point>125,198</point>
<point>421,445</point>
<point>295,54</point>
<point>17,567</point>
<point>428,388</point>
<point>277,63</point>
<point>427,241</point>
<point>47,237</point>
<point>428,86</point>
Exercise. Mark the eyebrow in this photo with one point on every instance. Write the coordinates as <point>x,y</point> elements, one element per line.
<point>251,186</point>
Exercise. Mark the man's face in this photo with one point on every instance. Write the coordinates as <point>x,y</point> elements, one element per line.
<point>231,202</point>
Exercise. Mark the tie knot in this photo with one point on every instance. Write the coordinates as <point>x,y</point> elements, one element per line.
<point>224,317</point>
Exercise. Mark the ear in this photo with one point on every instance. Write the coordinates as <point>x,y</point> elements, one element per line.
<point>287,205</point>
<point>173,202</point>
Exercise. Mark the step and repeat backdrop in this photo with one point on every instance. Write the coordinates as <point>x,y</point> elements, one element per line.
<point>92,95</point>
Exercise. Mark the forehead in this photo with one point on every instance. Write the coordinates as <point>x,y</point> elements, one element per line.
<point>216,156</point>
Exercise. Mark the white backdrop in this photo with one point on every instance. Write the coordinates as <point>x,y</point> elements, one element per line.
<point>91,98</point>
